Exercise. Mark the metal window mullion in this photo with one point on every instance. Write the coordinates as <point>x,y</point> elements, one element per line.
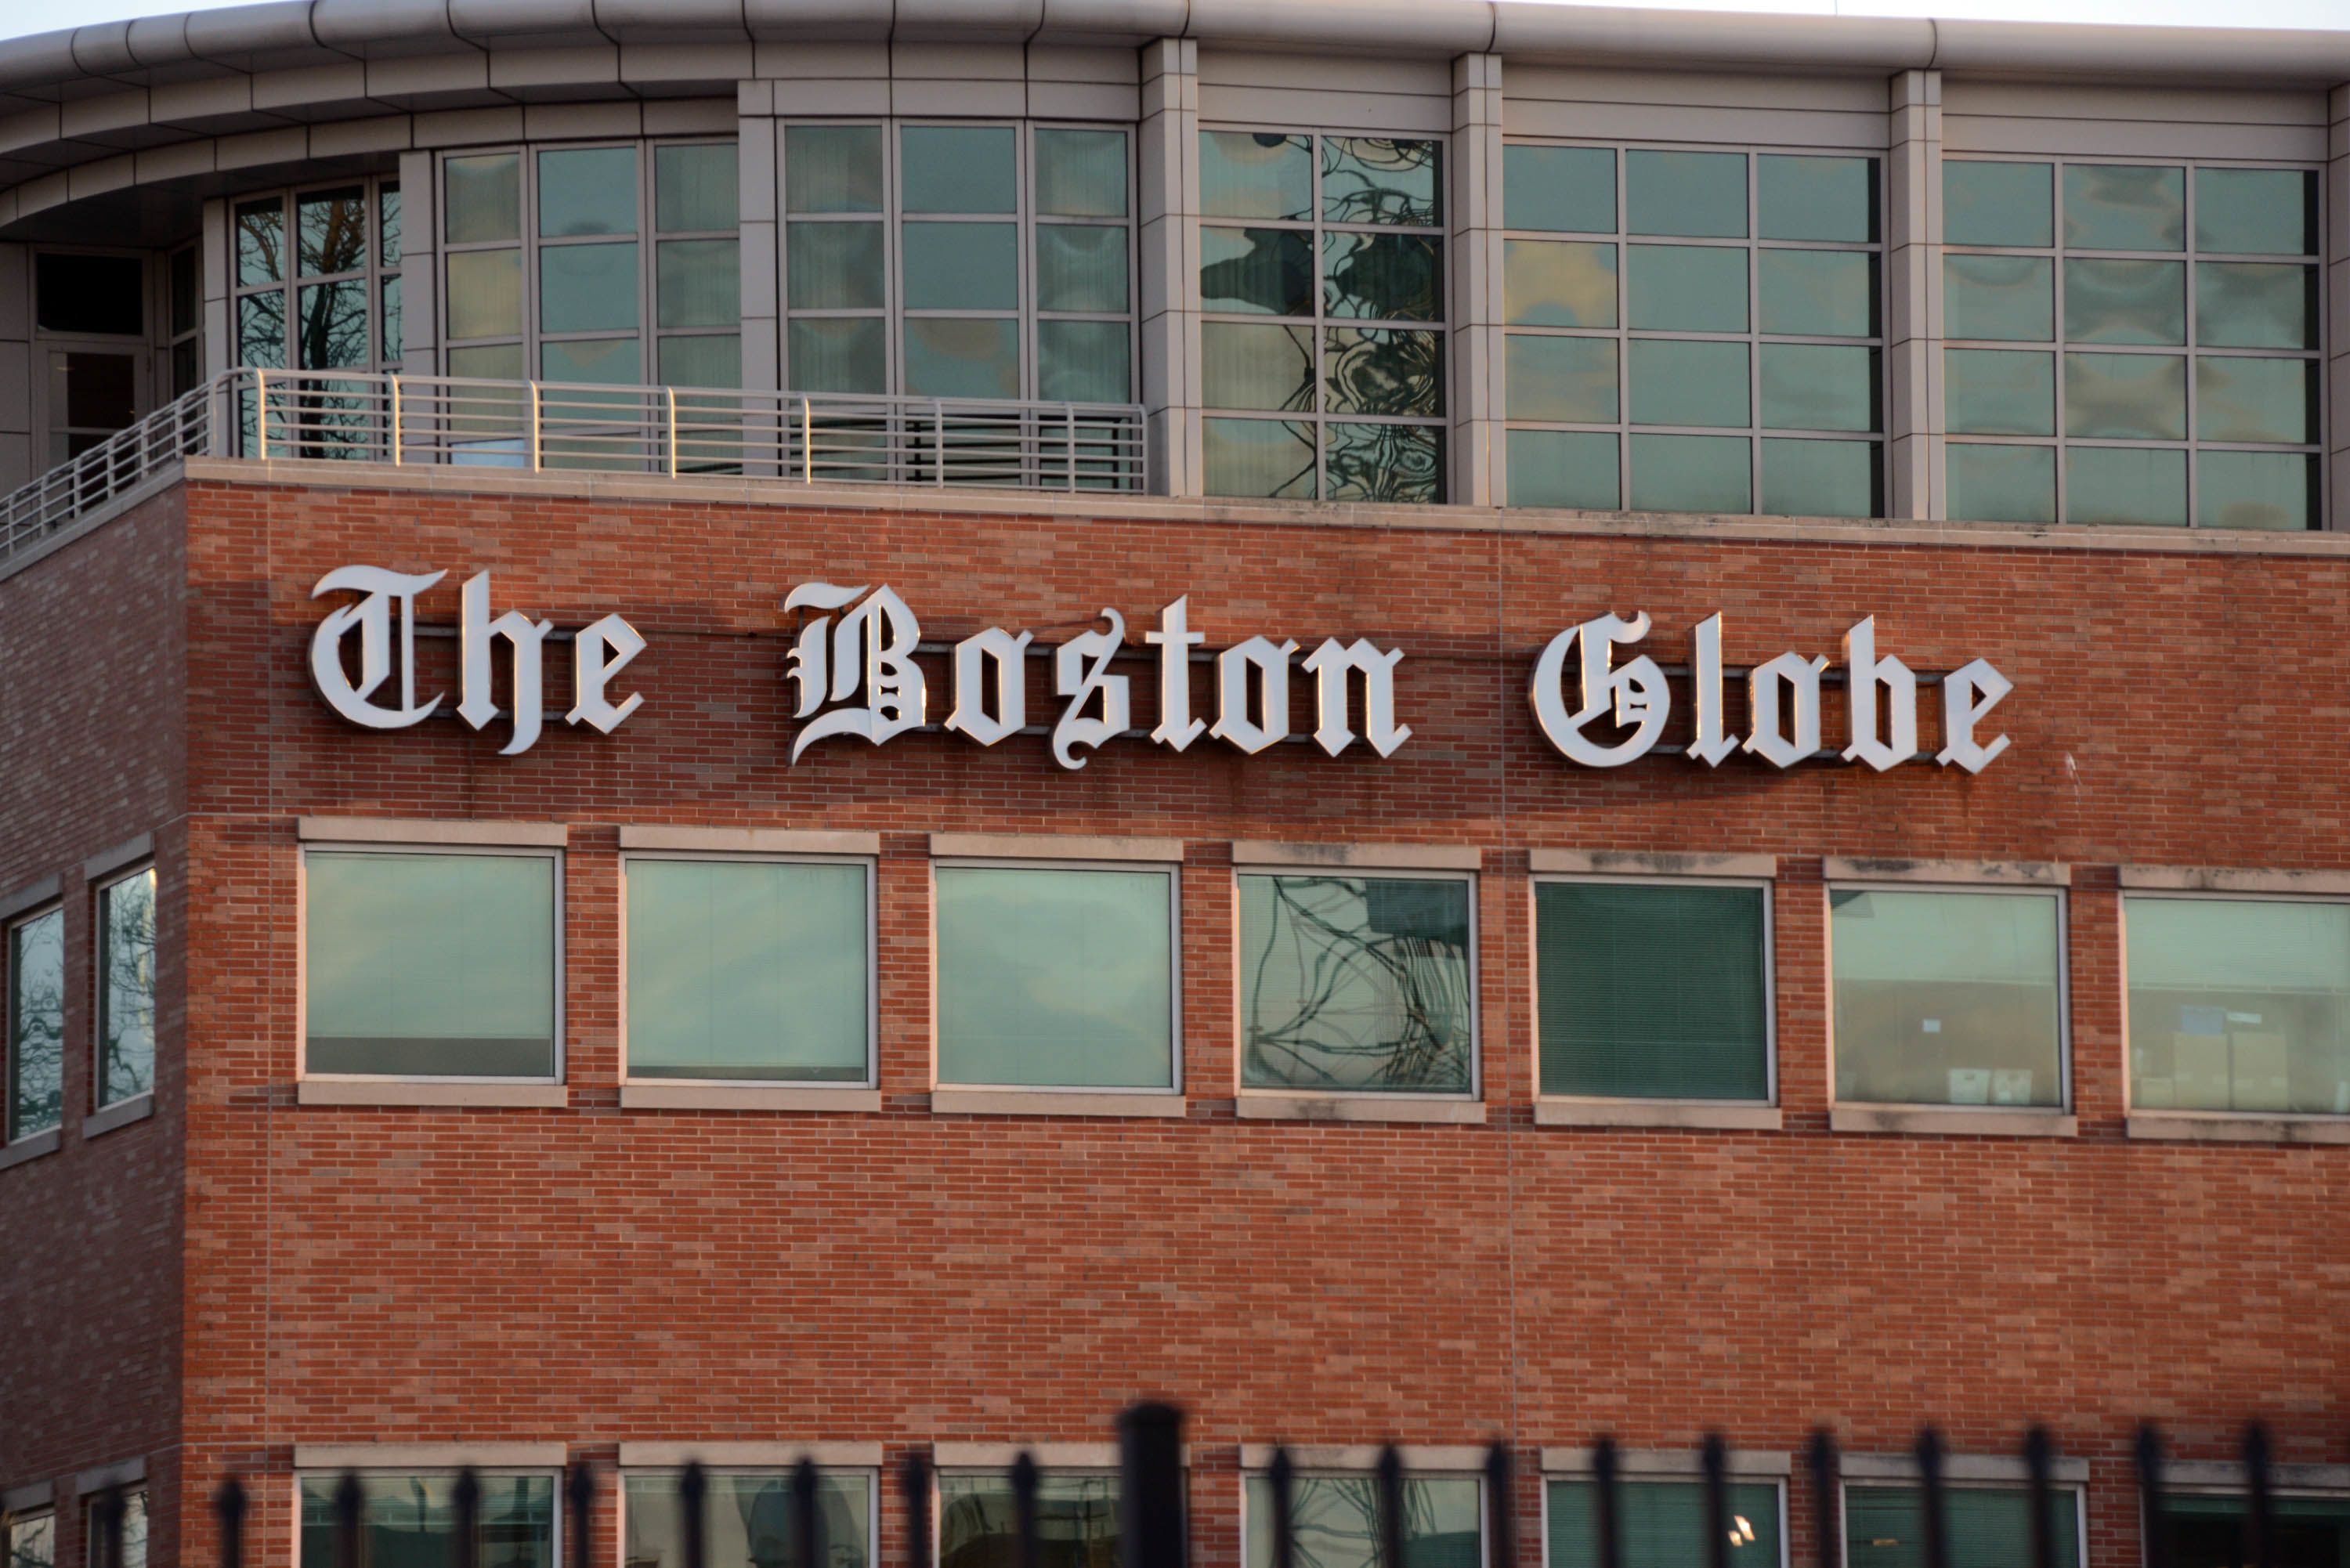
<point>2061,330</point>
<point>1754,336</point>
<point>1623,333</point>
<point>2194,331</point>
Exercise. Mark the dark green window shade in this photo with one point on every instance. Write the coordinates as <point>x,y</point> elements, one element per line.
<point>2304,1532</point>
<point>1662,1524</point>
<point>1989,1526</point>
<point>1652,992</point>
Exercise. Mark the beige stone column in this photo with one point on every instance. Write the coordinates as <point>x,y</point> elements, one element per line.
<point>1913,297</point>
<point>1168,154</point>
<point>1479,461</point>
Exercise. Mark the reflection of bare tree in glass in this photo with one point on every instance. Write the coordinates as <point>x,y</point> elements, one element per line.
<point>1378,180</point>
<point>127,959</point>
<point>1076,1525</point>
<point>36,1020</point>
<point>33,1541</point>
<point>1337,1523</point>
<point>1377,1004</point>
<point>330,321</point>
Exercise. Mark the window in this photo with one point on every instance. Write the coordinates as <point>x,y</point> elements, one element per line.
<point>2207,1531</point>
<point>1947,998</point>
<point>413,1519</point>
<point>1693,331</point>
<point>749,970</point>
<point>97,1547</point>
<point>423,963</point>
<point>1335,1522</point>
<point>963,261</point>
<point>30,1540</point>
<point>37,1025</point>
<point>183,303</point>
<point>317,279</point>
<point>1660,1523</point>
<point>1986,1526</point>
<point>750,1520</point>
<point>1076,1520</point>
<point>1654,991</point>
<point>77,295</point>
<point>2239,1004</point>
<point>2132,343</point>
<point>1322,346</point>
<point>126,987</point>
<point>1358,984</point>
<point>1056,976</point>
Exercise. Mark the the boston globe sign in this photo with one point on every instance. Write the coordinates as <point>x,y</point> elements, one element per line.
<point>1598,694</point>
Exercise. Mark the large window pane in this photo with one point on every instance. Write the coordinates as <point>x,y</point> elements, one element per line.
<point>694,187</point>
<point>1381,180</point>
<point>2255,305</point>
<point>484,198</point>
<point>746,970</point>
<point>2237,399</point>
<point>1268,458</point>
<point>1080,267</point>
<point>1999,391</point>
<point>963,357</point>
<point>2207,1531</point>
<point>1817,294</point>
<point>1822,478</point>
<point>958,168</point>
<point>2256,212</point>
<point>133,1537</point>
<point>1256,365</point>
<point>1055,977</point>
<point>260,242</point>
<point>1701,194</point>
<point>1985,1527</point>
<point>261,328</point>
<point>588,288</point>
<point>30,1540</point>
<point>2110,301</point>
<point>330,326</point>
<point>1076,1522</point>
<point>1815,198</point>
<point>705,359</point>
<point>411,1520</point>
<point>1265,272</point>
<point>37,1025</point>
<point>1081,173</point>
<point>960,266</point>
<point>832,169</point>
<point>748,1521</point>
<point>833,266</point>
<point>1692,473</point>
<point>1686,288</point>
<point>1661,1524</point>
<point>1652,992</point>
<point>1383,371</point>
<point>1568,380</point>
<point>839,356</point>
<point>2126,397</point>
<point>433,965</point>
<point>1382,277</point>
<point>2004,298</point>
<point>2274,489</point>
<point>1354,983</point>
<point>1677,382</point>
<point>699,283</point>
<point>587,191</point>
<point>1946,999</point>
<point>1084,361</point>
<point>1993,484</point>
<point>125,988</point>
<point>2125,485</point>
<point>1383,462</point>
<point>1818,387</point>
<point>1558,283</point>
<point>1998,203</point>
<point>485,294</point>
<point>1566,189</point>
<point>2239,1005</point>
<point>331,231</point>
<point>1563,468</point>
<point>2124,207</point>
<point>1256,174</point>
<point>1335,1522</point>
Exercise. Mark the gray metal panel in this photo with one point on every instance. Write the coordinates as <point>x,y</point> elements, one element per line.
<point>672,21</point>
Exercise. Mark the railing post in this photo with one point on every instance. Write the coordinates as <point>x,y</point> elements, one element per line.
<point>533,427</point>
<point>938,442</point>
<point>807,444</point>
<point>261,413</point>
<point>671,394</point>
<point>395,421</point>
<point>1069,420</point>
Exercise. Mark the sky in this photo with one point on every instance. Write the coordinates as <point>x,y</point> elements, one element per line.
<point>18,16</point>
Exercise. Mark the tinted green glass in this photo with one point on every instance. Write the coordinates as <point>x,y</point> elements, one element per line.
<point>963,357</point>
<point>748,1521</point>
<point>1661,1524</point>
<point>694,187</point>
<point>1818,387</point>
<point>2255,305</point>
<point>432,965</point>
<point>960,266</point>
<point>2009,298</point>
<point>587,288</point>
<point>699,283</point>
<point>1686,288</point>
<point>491,362</point>
<point>604,361</point>
<point>1558,283</point>
<point>1080,174</point>
<point>1566,189</point>
<point>481,198</point>
<point>746,970</point>
<point>37,1025</point>
<point>958,169</point>
<point>1256,365</point>
<point>1383,462</point>
<point>1702,194</point>
<point>1336,1523</point>
<point>1692,473</point>
<point>2274,490</point>
<point>1675,382</point>
<point>1076,1514</point>
<point>1823,478</point>
<point>1355,984</point>
<point>2125,485</point>
<point>1983,1527</point>
<point>484,297</point>
<point>2256,212</point>
<point>847,355</point>
<point>387,224</point>
<point>1256,174</point>
<point>1382,277</point>
<point>1383,371</point>
<point>705,359</point>
<point>331,231</point>
<point>2001,483</point>
<point>1054,978</point>
<point>1946,998</point>
<point>1265,272</point>
<point>2237,399</point>
<point>587,191</point>
<point>833,266</point>
<point>1570,380</point>
<point>330,324</point>
<point>1382,179</point>
<point>2126,397</point>
<point>1080,267</point>
<point>391,339</point>
<point>261,329</point>
<point>1817,294</point>
<point>1259,458</point>
<point>1084,361</point>
<point>2124,207</point>
<point>1815,198</point>
<point>1999,391</point>
<point>1652,992</point>
<point>413,1519</point>
<point>1563,468</point>
<point>1998,203</point>
<point>2125,301</point>
<point>260,242</point>
<point>832,169</point>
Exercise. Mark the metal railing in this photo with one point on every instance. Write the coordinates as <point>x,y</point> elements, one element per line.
<point>809,438</point>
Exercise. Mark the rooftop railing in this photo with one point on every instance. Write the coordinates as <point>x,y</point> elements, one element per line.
<point>808,438</point>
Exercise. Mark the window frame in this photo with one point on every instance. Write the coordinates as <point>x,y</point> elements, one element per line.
<point>170,339</point>
<point>2064,1106</point>
<point>1766,886</point>
<point>1635,1477</point>
<point>11,1137</point>
<point>2279,1489</point>
<point>383,356</point>
<point>99,889</point>
<point>559,1072</point>
<point>558,1521</point>
<point>1242,1089</point>
<point>1175,1090</point>
<point>89,1506</point>
<point>1303,1472</point>
<point>870,865</point>
<point>9,1522</point>
<point>1623,334</point>
<point>871,1475</point>
<point>48,415</point>
<point>940,1474</point>
<point>2080,1490</point>
<point>2058,346</point>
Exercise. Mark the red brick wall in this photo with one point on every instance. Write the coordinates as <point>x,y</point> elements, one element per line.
<point>596,1276</point>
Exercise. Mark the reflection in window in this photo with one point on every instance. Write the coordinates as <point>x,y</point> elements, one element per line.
<point>1335,1520</point>
<point>125,988</point>
<point>2207,1531</point>
<point>30,1540</point>
<point>749,1520</point>
<point>1984,1527</point>
<point>1076,1522</point>
<point>1715,348</point>
<point>98,1532</point>
<point>317,287</point>
<point>1661,1524</point>
<point>2239,1005</point>
<point>2080,302</point>
<point>413,1519</point>
<point>37,1025</point>
<point>1340,240</point>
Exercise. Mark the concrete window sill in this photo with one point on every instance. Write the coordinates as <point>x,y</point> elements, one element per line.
<point>2237,1126</point>
<point>1935,1120</point>
<point>1656,1114</point>
<point>138,1109</point>
<point>394,1092</point>
<point>1052,1103</point>
<point>32,1147</point>
<point>1258,1108</point>
<point>683,1096</point>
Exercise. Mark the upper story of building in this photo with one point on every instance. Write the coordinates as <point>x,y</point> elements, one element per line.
<point>1455,252</point>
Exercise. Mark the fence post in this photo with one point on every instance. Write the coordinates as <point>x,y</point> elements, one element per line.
<point>469,1519</point>
<point>1501,1507</point>
<point>1929,1499</point>
<point>2038,1470</point>
<point>1023,1507</point>
<point>1827,1546</point>
<point>2153,1514</point>
<point>1150,1525</point>
<point>914,1479</point>
<point>228,1507</point>
<point>1715,1459</point>
<point>581,1486</point>
<point>1387,1480</point>
<point>807,1523</point>
<point>2260,1549</point>
<point>350,1499</point>
<point>1603,1480</point>
<point>1281,1480</point>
